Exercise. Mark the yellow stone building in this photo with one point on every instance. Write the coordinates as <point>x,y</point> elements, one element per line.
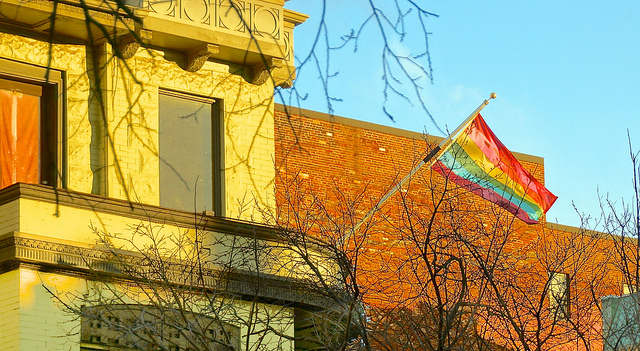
<point>126,127</point>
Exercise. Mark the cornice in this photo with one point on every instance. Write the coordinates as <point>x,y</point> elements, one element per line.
<point>134,210</point>
<point>295,18</point>
<point>297,111</point>
<point>46,254</point>
<point>153,214</point>
<point>249,33</point>
<point>95,262</point>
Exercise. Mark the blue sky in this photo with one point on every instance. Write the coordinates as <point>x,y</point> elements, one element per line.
<point>566,74</point>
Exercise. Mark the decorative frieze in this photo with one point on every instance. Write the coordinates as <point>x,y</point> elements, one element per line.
<point>98,262</point>
<point>261,18</point>
<point>128,327</point>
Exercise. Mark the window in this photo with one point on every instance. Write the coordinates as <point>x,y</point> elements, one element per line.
<point>559,295</point>
<point>191,160</point>
<point>139,327</point>
<point>30,110</point>
<point>628,289</point>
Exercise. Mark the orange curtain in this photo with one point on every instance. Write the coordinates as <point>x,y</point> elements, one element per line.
<point>19,138</point>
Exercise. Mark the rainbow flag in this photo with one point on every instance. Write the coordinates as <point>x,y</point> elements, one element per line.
<point>479,162</point>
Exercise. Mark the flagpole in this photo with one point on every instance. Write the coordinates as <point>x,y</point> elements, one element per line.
<point>415,169</point>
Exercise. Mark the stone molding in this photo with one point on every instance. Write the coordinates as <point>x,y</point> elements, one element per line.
<point>134,210</point>
<point>45,254</point>
<point>149,213</point>
<point>96,262</point>
<point>35,16</point>
<point>244,32</point>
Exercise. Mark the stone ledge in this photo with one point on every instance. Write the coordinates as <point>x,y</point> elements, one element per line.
<point>134,210</point>
<point>95,263</point>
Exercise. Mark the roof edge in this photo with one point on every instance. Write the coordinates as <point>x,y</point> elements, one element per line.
<point>381,128</point>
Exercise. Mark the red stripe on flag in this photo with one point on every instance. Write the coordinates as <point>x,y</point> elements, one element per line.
<point>480,133</point>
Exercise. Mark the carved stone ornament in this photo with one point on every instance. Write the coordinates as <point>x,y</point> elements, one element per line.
<point>129,44</point>
<point>285,83</point>
<point>262,72</point>
<point>197,58</point>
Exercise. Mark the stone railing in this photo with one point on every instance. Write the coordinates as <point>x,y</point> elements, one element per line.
<point>257,34</point>
<point>251,17</point>
<point>254,33</point>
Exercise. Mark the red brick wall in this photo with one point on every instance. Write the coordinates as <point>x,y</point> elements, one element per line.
<point>347,168</point>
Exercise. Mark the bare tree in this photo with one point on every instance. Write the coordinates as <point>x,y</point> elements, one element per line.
<point>153,287</point>
<point>440,269</point>
<point>194,289</point>
<point>619,220</point>
<point>478,278</point>
<point>396,31</point>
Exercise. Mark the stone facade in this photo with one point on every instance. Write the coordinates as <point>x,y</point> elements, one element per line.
<point>110,75</point>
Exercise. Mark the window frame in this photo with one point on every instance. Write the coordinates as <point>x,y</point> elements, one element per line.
<point>561,309</point>
<point>217,143</point>
<point>52,109</point>
<point>124,316</point>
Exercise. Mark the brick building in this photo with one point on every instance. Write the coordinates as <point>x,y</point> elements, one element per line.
<point>438,266</point>
<point>135,127</point>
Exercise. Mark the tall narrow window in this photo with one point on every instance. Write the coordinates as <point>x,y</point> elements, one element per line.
<point>559,295</point>
<point>189,153</point>
<point>28,131</point>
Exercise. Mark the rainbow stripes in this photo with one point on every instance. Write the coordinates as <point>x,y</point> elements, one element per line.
<point>479,162</point>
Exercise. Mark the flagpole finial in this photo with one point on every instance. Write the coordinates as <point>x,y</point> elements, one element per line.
<point>493,96</point>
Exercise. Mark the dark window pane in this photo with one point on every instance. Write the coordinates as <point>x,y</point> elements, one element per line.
<point>186,153</point>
